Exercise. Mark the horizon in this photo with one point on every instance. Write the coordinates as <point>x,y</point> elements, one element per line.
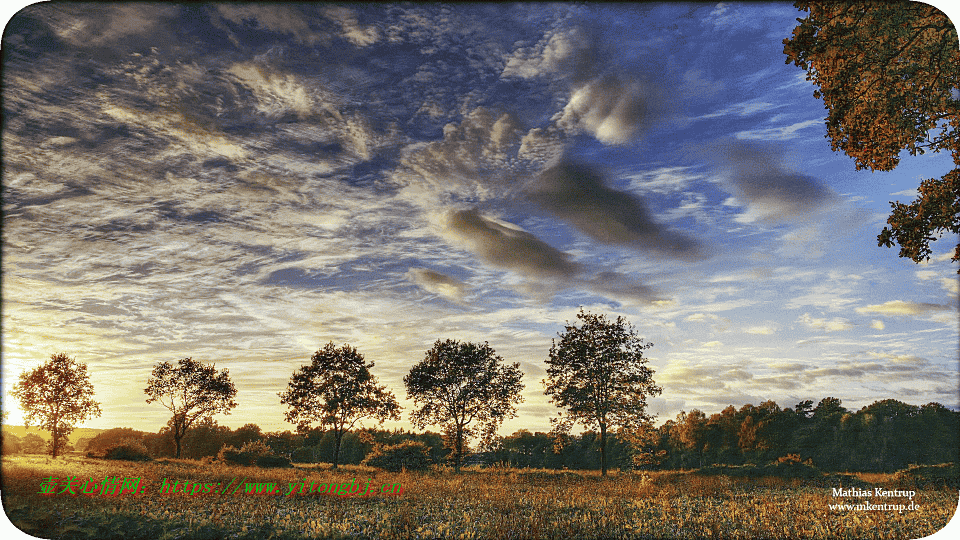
<point>244,183</point>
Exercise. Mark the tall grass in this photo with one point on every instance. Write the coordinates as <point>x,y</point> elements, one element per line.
<point>490,503</point>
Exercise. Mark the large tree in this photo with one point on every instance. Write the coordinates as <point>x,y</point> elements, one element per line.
<point>466,389</point>
<point>597,372</point>
<point>190,391</point>
<point>57,396</point>
<point>889,75</point>
<point>338,391</point>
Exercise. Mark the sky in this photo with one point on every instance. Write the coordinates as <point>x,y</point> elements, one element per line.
<point>244,183</point>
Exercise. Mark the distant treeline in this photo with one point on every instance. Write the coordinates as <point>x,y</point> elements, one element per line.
<point>887,435</point>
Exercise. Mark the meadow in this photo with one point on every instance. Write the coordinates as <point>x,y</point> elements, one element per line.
<point>477,503</point>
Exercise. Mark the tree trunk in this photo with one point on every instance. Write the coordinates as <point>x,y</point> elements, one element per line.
<point>56,442</point>
<point>603,449</point>
<point>337,437</point>
<point>177,440</point>
<point>459,445</point>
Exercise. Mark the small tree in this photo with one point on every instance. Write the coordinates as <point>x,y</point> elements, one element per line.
<point>457,384</point>
<point>58,395</point>
<point>190,391</point>
<point>338,391</point>
<point>597,372</point>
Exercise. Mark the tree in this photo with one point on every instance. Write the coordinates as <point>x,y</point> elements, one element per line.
<point>459,384</point>
<point>597,372</point>
<point>338,391</point>
<point>57,395</point>
<point>888,73</point>
<point>190,391</point>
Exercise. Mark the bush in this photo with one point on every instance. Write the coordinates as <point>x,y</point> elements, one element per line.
<point>252,453</point>
<point>129,451</point>
<point>304,454</point>
<point>790,466</point>
<point>409,455</point>
<point>931,476</point>
<point>273,461</point>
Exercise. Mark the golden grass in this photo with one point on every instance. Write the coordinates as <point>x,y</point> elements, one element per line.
<point>489,503</point>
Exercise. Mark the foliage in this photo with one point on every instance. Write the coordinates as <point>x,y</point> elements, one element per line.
<point>338,391</point>
<point>128,451</point>
<point>33,444</point>
<point>461,385</point>
<point>406,456</point>
<point>110,438</point>
<point>11,444</point>
<point>884,436</point>
<point>190,391</point>
<point>304,454</point>
<point>887,73</point>
<point>598,374</point>
<point>57,395</point>
<point>944,475</point>
<point>272,461</point>
<point>252,453</point>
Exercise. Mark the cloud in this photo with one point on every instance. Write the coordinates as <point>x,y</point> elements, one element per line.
<point>96,25</point>
<point>508,247</point>
<point>877,324</point>
<point>437,283</point>
<point>770,192</point>
<point>835,325</point>
<point>781,133</point>
<point>473,158</point>
<point>576,194</point>
<point>280,18</point>
<point>613,109</point>
<point>567,51</point>
<point>611,105</point>
<point>899,307</point>
<point>760,330</point>
<point>361,36</point>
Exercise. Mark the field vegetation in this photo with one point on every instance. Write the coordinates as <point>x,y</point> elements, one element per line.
<point>477,503</point>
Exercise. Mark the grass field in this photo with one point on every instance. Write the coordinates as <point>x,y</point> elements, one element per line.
<point>488,503</point>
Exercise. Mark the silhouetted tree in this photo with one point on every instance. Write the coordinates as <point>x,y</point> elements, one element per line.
<point>338,391</point>
<point>190,391</point>
<point>597,372</point>
<point>57,395</point>
<point>459,385</point>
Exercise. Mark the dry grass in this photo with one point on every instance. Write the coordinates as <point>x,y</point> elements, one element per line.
<point>491,503</point>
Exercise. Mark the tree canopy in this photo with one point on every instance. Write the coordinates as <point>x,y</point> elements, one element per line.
<point>462,385</point>
<point>597,372</point>
<point>889,75</point>
<point>190,391</point>
<point>57,396</point>
<point>338,391</point>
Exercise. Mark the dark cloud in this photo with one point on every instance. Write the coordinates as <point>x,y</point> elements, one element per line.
<point>576,193</point>
<point>437,283</point>
<point>509,248</point>
<point>619,285</point>
<point>770,192</point>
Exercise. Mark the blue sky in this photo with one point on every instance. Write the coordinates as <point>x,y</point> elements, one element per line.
<point>243,183</point>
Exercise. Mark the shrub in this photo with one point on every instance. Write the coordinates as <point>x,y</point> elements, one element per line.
<point>304,454</point>
<point>931,476</point>
<point>273,461</point>
<point>129,451</point>
<point>229,454</point>
<point>790,466</point>
<point>409,455</point>
<point>252,453</point>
